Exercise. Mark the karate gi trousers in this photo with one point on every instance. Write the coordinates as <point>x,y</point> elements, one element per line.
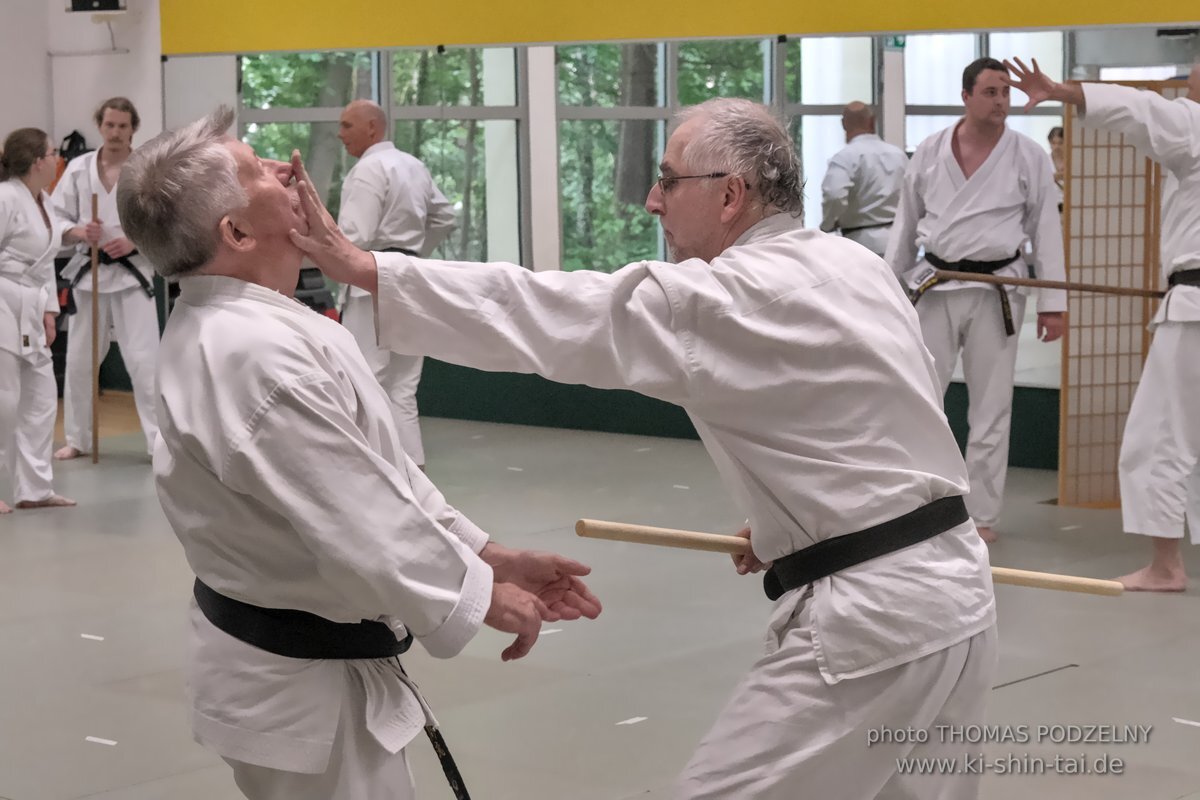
<point>399,375</point>
<point>28,405</point>
<point>971,321</point>
<point>133,317</point>
<point>787,733</point>
<point>1160,482</point>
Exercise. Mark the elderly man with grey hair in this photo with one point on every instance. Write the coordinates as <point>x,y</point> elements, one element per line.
<point>320,550</point>
<point>800,361</point>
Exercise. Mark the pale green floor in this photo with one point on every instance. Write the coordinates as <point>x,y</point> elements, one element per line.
<point>677,631</point>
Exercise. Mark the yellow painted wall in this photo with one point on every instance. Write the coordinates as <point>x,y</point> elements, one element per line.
<point>249,26</point>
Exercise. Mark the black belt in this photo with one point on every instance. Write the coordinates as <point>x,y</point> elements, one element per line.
<point>982,268</point>
<point>404,250</point>
<point>1184,277</point>
<point>841,552</point>
<point>124,261</point>
<point>299,634</point>
<point>865,227</point>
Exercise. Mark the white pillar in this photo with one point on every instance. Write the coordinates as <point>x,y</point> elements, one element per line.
<point>543,159</point>
<point>500,157</point>
<point>892,102</point>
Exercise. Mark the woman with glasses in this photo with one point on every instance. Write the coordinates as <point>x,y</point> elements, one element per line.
<point>30,235</point>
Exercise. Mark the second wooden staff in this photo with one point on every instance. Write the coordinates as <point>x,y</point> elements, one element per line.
<point>974,277</point>
<point>95,336</point>
<point>737,546</point>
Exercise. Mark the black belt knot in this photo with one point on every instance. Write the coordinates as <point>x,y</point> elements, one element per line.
<point>124,261</point>
<point>841,552</point>
<point>983,268</point>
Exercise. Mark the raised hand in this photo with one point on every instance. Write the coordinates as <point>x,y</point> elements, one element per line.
<point>325,243</point>
<point>1033,82</point>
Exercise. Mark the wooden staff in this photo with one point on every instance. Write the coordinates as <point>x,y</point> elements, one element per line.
<point>95,336</point>
<point>738,546</point>
<point>974,277</point>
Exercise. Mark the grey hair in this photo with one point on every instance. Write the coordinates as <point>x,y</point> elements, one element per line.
<point>175,189</point>
<point>743,138</point>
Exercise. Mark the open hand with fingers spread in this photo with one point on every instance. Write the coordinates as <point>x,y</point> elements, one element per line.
<point>1038,86</point>
<point>555,579</point>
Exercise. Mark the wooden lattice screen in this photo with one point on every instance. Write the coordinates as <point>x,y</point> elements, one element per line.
<point>1111,215</point>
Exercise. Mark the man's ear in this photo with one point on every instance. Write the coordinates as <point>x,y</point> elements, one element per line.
<point>233,234</point>
<point>734,198</point>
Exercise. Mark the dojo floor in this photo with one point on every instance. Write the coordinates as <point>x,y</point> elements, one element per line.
<point>604,710</point>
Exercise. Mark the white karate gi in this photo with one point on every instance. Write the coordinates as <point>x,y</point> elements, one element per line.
<point>389,200</point>
<point>124,310</point>
<point>1009,201</point>
<point>862,188</point>
<point>1160,479</point>
<point>28,393</point>
<point>280,470</point>
<point>800,363</point>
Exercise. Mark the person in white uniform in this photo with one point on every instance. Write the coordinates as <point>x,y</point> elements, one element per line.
<point>800,362</point>
<point>30,235</point>
<point>126,303</point>
<point>320,550</point>
<point>974,195</point>
<point>1160,450</point>
<point>389,202</point>
<point>862,182</point>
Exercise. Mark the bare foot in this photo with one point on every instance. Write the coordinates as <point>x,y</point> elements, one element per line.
<point>53,501</point>
<point>67,453</point>
<point>987,534</point>
<point>4,509</point>
<point>1153,579</point>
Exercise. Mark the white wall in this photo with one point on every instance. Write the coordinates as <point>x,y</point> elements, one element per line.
<point>24,66</point>
<point>85,71</point>
<point>195,85</point>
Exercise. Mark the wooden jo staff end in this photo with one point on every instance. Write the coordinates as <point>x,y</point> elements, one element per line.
<point>95,336</point>
<point>736,545</point>
<point>998,280</point>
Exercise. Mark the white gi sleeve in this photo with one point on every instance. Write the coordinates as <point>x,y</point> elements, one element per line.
<point>617,331</point>
<point>302,456</point>
<point>450,518</point>
<point>835,192</point>
<point>1162,128</point>
<point>1043,226</point>
<point>363,197</point>
<point>439,219</point>
<point>901,253</point>
<point>68,195</point>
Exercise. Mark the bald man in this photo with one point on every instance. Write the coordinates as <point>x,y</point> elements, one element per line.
<point>389,203</point>
<point>862,185</point>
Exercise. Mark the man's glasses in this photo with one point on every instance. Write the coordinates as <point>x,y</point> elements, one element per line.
<point>667,182</point>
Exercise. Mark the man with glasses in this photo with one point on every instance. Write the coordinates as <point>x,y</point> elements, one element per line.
<point>800,362</point>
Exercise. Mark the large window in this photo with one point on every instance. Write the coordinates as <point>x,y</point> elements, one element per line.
<point>455,109</point>
<point>823,74</point>
<point>612,123</point>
